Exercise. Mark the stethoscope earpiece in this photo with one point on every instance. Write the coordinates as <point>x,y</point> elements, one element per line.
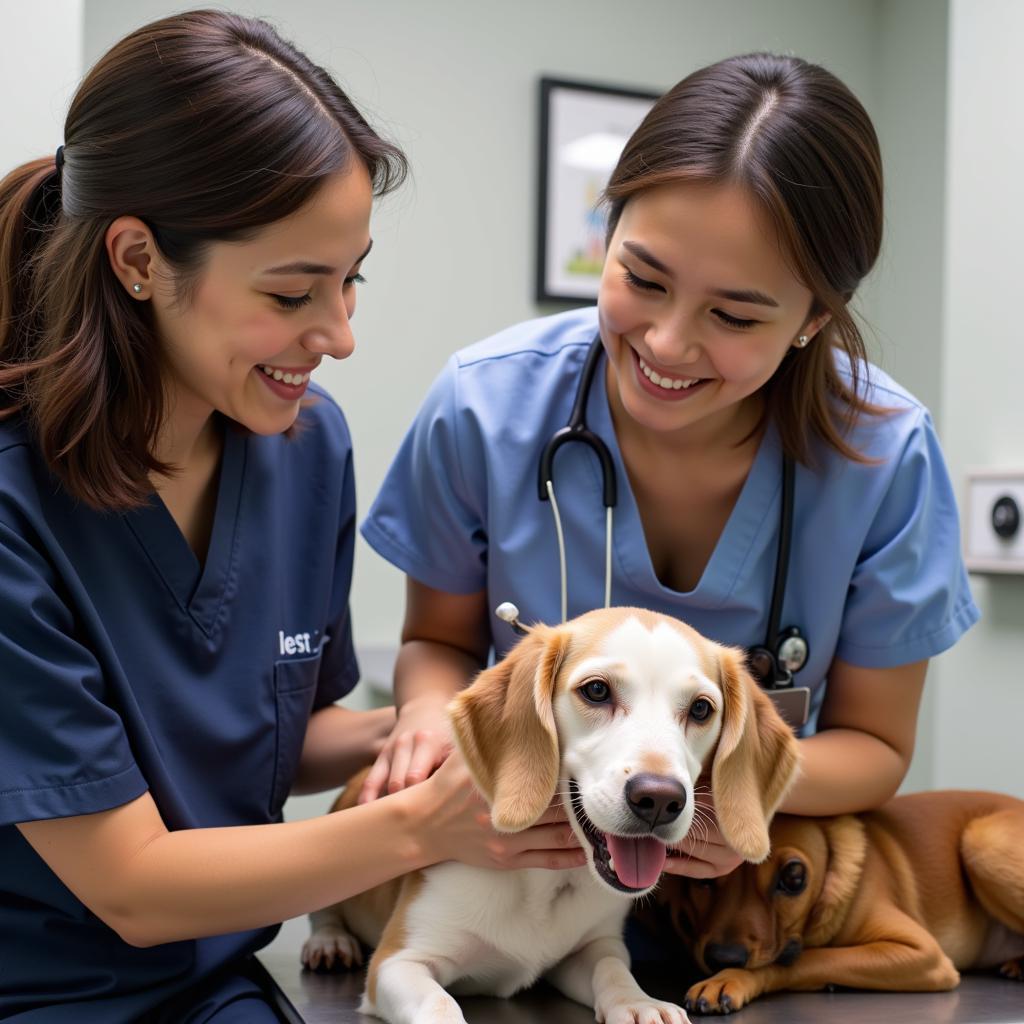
<point>508,612</point>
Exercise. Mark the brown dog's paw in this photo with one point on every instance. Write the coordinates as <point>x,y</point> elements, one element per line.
<point>725,992</point>
<point>331,949</point>
<point>1013,969</point>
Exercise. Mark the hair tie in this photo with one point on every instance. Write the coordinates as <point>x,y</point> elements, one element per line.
<point>59,158</point>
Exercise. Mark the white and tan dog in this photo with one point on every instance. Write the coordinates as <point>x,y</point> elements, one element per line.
<point>620,712</point>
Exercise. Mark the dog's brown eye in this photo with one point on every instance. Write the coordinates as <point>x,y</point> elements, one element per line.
<point>700,709</point>
<point>792,878</point>
<point>597,691</point>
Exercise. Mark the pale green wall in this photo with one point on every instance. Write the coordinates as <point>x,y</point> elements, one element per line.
<point>980,685</point>
<point>40,64</point>
<point>904,297</point>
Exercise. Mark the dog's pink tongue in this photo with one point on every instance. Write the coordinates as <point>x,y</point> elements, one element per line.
<point>638,862</point>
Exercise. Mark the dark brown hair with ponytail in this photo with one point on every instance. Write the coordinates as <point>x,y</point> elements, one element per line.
<point>207,126</point>
<point>794,135</point>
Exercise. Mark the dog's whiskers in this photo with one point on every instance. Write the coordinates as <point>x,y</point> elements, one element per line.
<point>702,824</point>
<point>700,828</point>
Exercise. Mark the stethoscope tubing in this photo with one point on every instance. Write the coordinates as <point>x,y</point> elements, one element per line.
<point>563,574</point>
<point>576,430</point>
<point>782,555</point>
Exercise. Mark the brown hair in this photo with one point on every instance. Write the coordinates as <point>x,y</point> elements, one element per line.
<point>802,143</point>
<point>207,126</point>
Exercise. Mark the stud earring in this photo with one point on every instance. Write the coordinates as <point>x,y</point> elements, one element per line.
<point>137,288</point>
<point>802,341</point>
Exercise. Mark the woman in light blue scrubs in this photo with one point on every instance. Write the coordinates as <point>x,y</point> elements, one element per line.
<point>176,536</point>
<point>743,214</point>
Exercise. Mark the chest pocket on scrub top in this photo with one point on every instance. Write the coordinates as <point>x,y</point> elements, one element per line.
<point>294,691</point>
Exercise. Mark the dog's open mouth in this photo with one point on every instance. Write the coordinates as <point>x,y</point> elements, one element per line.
<point>627,863</point>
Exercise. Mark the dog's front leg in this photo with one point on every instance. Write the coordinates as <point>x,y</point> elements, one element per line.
<point>893,966</point>
<point>598,975</point>
<point>405,991</point>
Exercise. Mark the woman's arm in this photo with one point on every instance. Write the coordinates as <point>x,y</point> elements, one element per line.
<point>154,886</point>
<point>865,740</point>
<point>445,642</point>
<point>340,742</point>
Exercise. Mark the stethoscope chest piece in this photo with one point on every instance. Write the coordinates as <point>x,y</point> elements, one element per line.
<point>792,651</point>
<point>775,668</point>
<point>761,663</point>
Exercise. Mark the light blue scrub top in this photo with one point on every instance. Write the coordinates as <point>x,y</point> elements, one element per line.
<point>876,577</point>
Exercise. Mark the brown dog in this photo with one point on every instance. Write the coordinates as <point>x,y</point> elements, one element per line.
<point>900,899</point>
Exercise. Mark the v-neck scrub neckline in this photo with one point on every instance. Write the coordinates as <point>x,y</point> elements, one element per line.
<point>199,590</point>
<point>759,497</point>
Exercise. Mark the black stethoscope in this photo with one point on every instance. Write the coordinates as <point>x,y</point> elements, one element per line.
<point>783,651</point>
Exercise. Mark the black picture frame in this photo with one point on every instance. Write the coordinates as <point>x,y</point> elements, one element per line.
<point>579,125</point>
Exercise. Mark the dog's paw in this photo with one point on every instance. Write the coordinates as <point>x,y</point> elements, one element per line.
<point>439,1009</point>
<point>725,992</point>
<point>644,1011</point>
<point>330,948</point>
<point>1013,969</point>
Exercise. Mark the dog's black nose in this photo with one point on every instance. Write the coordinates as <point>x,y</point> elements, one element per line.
<point>656,799</point>
<point>719,955</point>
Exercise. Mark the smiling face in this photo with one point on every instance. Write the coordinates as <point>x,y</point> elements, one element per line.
<point>264,312</point>
<point>697,308</point>
<point>638,716</point>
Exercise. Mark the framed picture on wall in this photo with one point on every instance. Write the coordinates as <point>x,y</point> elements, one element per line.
<point>583,129</point>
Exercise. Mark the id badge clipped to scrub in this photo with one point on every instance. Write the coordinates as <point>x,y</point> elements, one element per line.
<point>793,703</point>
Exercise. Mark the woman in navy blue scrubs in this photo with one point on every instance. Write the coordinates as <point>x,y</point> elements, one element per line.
<point>176,537</point>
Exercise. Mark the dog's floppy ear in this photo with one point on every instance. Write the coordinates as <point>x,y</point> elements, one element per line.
<point>847,847</point>
<point>755,761</point>
<point>505,727</point>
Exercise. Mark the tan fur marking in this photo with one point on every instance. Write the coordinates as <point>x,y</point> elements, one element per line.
<point>394,937</point>
<point>847,846</point>
<point>656,764</point>
<point>505,728</point>
<point>754,763</point>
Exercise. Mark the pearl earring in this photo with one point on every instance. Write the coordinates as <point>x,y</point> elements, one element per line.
<point>802,341</point>
<point>137,288</point>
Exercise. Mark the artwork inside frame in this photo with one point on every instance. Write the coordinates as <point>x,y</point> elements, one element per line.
<point>583,128</point>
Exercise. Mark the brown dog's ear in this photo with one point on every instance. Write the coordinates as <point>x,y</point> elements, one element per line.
<point>505,728</point>
<point>755,762</point>
<point>847,847</point>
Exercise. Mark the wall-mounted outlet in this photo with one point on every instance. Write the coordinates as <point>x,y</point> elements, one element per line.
<point>995,521</point>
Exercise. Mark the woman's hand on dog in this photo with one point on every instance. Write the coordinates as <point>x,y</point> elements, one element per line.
<point>419,742</point>
<point>704,853</point>
<point>460,828</point>
<point>420,748</point>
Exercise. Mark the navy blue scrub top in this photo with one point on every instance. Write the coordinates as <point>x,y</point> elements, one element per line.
<point>126,666</point>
